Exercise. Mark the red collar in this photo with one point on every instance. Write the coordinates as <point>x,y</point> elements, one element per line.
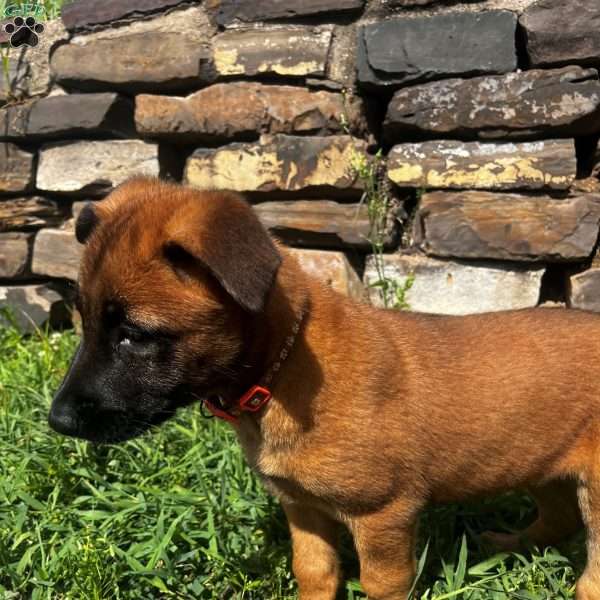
<point>258,395</point>
<point>252,401</point>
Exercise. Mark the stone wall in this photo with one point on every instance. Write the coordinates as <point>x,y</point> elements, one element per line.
<point>485,117</point>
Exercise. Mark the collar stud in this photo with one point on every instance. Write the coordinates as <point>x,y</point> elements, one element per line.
<point>254,399</point>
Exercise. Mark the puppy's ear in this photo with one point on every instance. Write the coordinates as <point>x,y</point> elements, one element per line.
<point>227,238</point>
<point>86,223</point>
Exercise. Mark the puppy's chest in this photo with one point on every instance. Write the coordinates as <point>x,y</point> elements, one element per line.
<point>285,478</point>
<point>285,473</point>
<point>297,476</point>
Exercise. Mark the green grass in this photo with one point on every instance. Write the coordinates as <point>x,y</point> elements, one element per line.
<point>177,514</point>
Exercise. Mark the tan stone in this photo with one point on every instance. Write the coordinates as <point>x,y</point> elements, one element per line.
<point>289,51</point>
<point>475,165</point>
<point>56,253</point>
<point>32,306</point>
<point>333,269</point>
<point>14,254</point>
<point>169,52</point>
<point>588,185</point>
<point>584,290</point>
<point>94,167</point>
<point>507,226</point>
<point>252,109</point>
<point>278,163</point>
<point>122,64</point>
<point>30,213</point>
<point>16,169</point>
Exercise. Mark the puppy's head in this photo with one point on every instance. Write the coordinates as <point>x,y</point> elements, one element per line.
<point>169,278</point>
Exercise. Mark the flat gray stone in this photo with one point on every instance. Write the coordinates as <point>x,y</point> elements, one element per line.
<point>192,22</point>
<point>321,223</point>
<point>561,33</point>
<point>86,167</point>
<point>16,169</point>
<point>279,163</point>
<point>494,166</point>
<point>455,287</point>
<point>252,109</point>
<point>289,51</point>
<point>231,11</point>
<point>14,254</point>
<point>507,226</point>
<point>32,306</point>
<point>68,116</point>
<point>56,253</point>
<point>584,290</point>
<point>554,103</point>
<point>90,13</point>
<point>399,51</point>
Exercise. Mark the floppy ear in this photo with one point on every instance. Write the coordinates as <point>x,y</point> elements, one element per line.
<point>226,236</point>
<point>86,222</point>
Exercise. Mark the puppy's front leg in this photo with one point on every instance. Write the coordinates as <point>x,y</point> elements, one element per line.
<point>314,547</point>
<point>385,542</point>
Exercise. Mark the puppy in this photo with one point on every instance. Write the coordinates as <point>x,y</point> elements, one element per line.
<point>350,415</point>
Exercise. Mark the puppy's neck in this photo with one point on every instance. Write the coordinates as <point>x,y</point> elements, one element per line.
<point>297,383</point>
<point>287,308</point>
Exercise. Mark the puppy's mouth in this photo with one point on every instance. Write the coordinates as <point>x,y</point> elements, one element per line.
<point>111,426</point>
<point>89,420</point>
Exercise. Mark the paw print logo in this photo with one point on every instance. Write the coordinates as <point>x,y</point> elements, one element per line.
<point>24,32</point>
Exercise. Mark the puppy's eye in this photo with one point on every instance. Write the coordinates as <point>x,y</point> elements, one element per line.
<point>131,335</point>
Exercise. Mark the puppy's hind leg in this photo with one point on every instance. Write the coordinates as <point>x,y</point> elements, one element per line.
<point>558,518</point>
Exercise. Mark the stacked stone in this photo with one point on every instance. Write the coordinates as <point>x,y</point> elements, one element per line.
<point>494,115</point>
<point>488,131</point>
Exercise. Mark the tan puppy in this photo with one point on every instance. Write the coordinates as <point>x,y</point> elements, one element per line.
<point>373,413</point>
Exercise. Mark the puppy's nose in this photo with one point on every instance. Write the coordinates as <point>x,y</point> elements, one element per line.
<point>63,418</point>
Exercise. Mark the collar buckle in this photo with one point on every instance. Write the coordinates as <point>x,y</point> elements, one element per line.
<point>219,411</point>
<point>254,399</point>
